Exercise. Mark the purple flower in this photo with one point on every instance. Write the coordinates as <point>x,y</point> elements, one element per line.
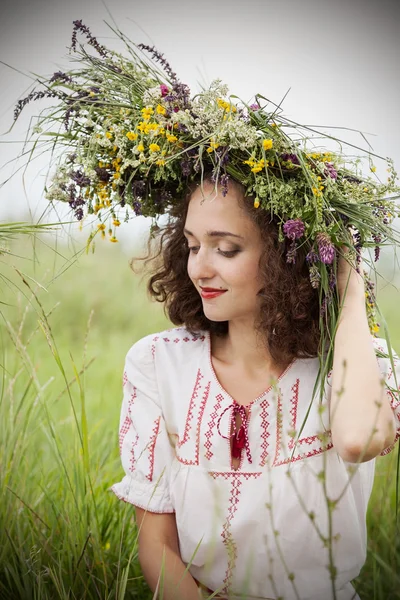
<point>315,277</point>
<point>158,57</point>
<point>224,184</point>
<point>291,253</point>
<point>79,214</point>
<point>80,178</point>
<point>254,106</point>
<point>312,257</point>
<point>332,280</point>
<point>103,174</point>
<point>330,171</point>
<point>164,90</point>
<point>92,41</point>
<point>325,248</point>
<point>290,157</point>
<point>378,240</point>
<point>137,207</point>
<point>293,229</point>
<point>186,167</point>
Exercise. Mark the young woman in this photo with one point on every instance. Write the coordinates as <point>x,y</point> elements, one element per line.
<point>246,480</point>
<point>250,466</point>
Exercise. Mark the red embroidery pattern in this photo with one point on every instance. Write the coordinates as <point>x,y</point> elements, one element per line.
<point>265,433</point>
<point>153,345</point>
<point>211,425</point>
<point>127,421</point>
<point>293,412</point>
<point>228,540</point>
<point>132,459</point>
<point>152,446</point>
<point>176,340</point>
<point>123,431</point>
<point>124,379</point>
<point>189,417</point>
<point>314,444</point>
<point>192,404</point>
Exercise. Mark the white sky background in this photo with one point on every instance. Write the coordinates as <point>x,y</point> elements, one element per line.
<point>341,59</point>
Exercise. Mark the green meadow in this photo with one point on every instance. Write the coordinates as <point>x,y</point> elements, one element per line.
<point>66,326</point>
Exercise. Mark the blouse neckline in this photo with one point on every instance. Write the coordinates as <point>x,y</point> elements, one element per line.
<point>223,390</point>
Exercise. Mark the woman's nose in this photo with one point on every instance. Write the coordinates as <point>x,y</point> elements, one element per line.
<point>201,265</point>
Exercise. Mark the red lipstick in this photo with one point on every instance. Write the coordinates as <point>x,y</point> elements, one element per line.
<point>208,293</point>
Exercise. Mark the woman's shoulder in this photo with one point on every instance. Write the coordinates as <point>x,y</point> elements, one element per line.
<point>170,341</point>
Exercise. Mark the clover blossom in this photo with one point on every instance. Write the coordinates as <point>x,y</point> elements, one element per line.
<point>164,90</point>
<point>326,249</point>
<point>330,171</point>
<point>294,229</point>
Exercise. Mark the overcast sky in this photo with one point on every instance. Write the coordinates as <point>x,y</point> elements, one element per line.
<point>341,59</point>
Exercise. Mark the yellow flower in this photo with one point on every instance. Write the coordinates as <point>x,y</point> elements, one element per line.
<point>267,144</point>
<point>256,169</point>
<point>213,146</point>
<point>109,135</point>
<point>373,169</point>
<point>116,223</point>
<point>249,162</point>
<point>256,203</point>
<point>147,112</point>
<point>226,105</point>
<point>171,138</point>
<point>160,109</point>
<point>113,239</point>
<point>160,162</point>
<point>140,148</point>
<point>115,148</point>
<point>154,147</point>
<point>101,227</point>
<point>150,127</point>
<point>132,136</point>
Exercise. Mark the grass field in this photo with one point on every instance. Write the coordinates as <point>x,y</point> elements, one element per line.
<point>63,534</point>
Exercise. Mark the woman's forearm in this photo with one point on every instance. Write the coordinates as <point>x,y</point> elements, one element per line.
<point>362,422</point>
<point>175,585</point>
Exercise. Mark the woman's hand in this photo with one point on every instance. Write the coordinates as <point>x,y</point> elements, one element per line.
<point>350,282</point>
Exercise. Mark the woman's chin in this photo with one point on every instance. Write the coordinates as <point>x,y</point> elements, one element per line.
<point>215,316</point>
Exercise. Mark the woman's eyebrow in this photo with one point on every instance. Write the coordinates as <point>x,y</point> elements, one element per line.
<point>216,234</point>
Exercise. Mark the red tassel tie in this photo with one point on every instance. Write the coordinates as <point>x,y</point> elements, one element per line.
<point>239,441</point>
<point>240,436</point>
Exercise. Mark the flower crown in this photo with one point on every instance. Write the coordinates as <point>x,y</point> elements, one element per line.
<point>136,138</point>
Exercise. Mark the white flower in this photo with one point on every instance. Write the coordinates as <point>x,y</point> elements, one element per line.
<point>152,95</point>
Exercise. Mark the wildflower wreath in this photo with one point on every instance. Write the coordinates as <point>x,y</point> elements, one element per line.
<point>133,138</point>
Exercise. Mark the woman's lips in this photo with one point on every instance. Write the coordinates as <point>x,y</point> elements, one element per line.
<point>208,293</point>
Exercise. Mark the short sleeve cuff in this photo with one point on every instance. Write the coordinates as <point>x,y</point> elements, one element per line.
<point>144,494</point>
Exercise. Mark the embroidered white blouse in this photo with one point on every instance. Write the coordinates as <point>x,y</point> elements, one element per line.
<point>260,530</point>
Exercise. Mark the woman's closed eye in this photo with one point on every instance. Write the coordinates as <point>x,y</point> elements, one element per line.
<point>226,253</point>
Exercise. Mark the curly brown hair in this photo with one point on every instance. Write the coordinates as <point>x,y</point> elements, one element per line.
<point>289,317</point>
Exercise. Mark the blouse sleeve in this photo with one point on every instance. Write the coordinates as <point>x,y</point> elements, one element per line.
<point>390,370</point>
<point>145,448</point>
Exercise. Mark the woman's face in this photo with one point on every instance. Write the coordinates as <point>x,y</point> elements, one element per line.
<point>224,251</point>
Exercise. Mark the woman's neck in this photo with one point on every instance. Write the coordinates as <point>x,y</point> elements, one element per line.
<point>243,347</point>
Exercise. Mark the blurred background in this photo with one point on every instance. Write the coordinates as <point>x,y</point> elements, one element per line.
<point>68,317</point>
